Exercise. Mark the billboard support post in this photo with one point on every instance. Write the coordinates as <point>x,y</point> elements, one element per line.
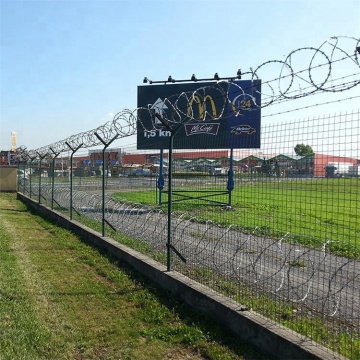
<point>230,183</point>
<point>160,181</point>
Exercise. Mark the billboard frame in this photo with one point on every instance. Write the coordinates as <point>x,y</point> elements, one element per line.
<point>222,114</point>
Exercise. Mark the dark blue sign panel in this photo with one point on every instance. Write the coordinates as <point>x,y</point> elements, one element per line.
<point>207,115</point>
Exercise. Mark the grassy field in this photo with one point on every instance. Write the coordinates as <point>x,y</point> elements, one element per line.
<point>61,299</point>
<point>313,211</point>
<point>330,331</point>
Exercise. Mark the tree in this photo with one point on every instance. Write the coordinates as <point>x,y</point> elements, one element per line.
<point>303,150</point>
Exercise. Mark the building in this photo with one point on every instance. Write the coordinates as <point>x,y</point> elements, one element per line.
<point>213,162</point>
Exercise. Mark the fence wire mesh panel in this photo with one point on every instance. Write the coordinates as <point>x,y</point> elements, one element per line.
<point>287,246</point>
<point>274,228</point>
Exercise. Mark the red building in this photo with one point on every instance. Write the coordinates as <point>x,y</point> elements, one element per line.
<point>321,160</point>
<point>287,165</point>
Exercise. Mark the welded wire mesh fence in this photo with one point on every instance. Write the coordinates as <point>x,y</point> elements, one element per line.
<point>287,247</point>
<point>275,228</point>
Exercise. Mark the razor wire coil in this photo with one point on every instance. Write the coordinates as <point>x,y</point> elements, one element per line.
<point>299,83</point>
<point>283,268</point>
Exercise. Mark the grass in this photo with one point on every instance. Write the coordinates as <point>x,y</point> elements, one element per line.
<point>312,211</point>
<point>61,299</point>
<point>326,330</point>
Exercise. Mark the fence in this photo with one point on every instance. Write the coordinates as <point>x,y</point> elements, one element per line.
<point>287,247</point>
<point>276,229</point>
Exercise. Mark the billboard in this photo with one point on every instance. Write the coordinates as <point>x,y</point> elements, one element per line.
<point>203,115</point>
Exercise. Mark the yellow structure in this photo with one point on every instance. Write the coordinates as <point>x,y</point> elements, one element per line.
<point>13,141</point>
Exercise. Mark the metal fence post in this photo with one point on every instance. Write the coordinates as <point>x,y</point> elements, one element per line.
<point>53,177</point>
<point>169,222</point>
<point>40,169</point>
<point>103,177</point>
<point>169,245</point>
<point>73,151</point>
<point>30,176</point>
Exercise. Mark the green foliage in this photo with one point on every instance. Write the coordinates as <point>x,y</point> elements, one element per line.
<point>303,150</point>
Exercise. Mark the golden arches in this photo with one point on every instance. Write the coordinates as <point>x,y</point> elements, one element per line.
<point>202,106</point>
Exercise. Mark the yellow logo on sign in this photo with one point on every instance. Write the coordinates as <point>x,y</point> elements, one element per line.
<point>239,105</point>
<point>202,107</point>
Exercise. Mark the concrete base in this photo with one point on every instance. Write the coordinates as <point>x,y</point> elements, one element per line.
<point>8,178</point>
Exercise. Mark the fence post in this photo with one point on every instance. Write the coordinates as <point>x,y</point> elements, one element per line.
<point>73,151</point>
<point>169,245</point>
<point>24,175</point>
<point>169,222</point>
<point>53,177</point>
<point>103,178</point>
<point>40,169</point>
<point>30,176</point>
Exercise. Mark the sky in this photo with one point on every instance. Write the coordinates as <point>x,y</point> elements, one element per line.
<point>68,66</point>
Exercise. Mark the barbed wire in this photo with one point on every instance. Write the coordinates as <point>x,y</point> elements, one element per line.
<point>310,106</point>
<point>122,125</point>
<point>283,267</point>
<point>290,86</point>
<point>281,101</point>
<point>334,56</point>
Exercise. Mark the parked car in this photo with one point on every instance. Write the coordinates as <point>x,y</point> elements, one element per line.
<point>22,177</point>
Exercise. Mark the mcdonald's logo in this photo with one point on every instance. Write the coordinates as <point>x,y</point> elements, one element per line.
<point>202,107</point>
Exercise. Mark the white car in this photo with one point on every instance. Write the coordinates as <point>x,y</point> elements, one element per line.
<point>22,176</point>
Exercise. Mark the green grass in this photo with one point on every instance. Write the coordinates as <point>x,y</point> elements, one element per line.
<point>61,299</point>
<point>321,329</point>
<point>325,330</point>
<point>312,211</point>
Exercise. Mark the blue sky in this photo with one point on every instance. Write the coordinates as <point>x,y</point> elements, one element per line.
<point>66,66</point>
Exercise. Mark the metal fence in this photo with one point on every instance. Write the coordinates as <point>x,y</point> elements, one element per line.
<point>276,229</point>
<point>286,247</point>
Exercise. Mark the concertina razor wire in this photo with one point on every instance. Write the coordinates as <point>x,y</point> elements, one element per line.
<point>283,267</point>
<point>324,74</point>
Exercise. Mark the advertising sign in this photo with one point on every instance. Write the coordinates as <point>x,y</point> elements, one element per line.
<point>205,115</point>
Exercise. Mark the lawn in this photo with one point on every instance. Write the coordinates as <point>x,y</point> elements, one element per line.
<point>61,299</point>
<point>313,211</point>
